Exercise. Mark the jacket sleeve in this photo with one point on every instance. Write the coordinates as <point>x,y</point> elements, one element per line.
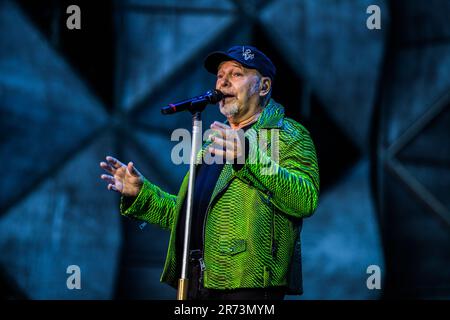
<point>292,182</point>
<point>152,205</point>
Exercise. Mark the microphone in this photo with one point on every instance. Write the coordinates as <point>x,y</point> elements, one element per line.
<point>210,97</point>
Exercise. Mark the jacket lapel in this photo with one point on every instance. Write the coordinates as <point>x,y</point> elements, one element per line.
<point>224,178</point>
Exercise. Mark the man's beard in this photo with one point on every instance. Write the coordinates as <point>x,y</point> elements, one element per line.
<point>230,110</point>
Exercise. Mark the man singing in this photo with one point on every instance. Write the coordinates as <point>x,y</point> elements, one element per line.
<point>246,219</point>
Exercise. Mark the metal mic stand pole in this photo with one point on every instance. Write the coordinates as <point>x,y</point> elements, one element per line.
<point>183,282</point>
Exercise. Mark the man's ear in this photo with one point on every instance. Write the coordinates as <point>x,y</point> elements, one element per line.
<point>266,84</point>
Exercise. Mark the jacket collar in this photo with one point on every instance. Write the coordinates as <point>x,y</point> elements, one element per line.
<point>271,117</point>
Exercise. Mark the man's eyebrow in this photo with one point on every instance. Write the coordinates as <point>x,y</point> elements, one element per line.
<point>237,65</point>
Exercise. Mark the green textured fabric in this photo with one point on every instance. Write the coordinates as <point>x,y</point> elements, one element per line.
<point>253,219</point>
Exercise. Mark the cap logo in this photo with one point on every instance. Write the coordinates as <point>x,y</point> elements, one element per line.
<point>247,54</point>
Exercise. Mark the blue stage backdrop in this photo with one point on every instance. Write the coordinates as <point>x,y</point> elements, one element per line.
<point>376,102</point>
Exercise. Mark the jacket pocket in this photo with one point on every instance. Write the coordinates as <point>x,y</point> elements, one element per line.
<point>232,246</point>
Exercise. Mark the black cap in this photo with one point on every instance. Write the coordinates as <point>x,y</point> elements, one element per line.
<point>250,57</point>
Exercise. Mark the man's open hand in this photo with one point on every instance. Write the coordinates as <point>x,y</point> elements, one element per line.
<point>125,179</point>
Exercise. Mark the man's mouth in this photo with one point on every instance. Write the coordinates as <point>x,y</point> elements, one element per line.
<point>228,97</point>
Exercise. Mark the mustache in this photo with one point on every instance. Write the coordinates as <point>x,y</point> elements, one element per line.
<point>228,94</point>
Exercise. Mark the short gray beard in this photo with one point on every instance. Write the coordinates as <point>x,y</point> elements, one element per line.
<point>230,110</point>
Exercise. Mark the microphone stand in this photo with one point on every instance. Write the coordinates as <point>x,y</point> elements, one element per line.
<point>183,282</point>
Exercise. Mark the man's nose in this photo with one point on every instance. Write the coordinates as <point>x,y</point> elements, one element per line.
<point>222,83</point>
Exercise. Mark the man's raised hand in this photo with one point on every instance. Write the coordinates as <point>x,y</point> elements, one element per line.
<point>227,142</point>
<point>125,179</point>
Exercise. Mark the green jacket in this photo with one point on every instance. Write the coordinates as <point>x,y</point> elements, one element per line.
<point>252,227</point>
